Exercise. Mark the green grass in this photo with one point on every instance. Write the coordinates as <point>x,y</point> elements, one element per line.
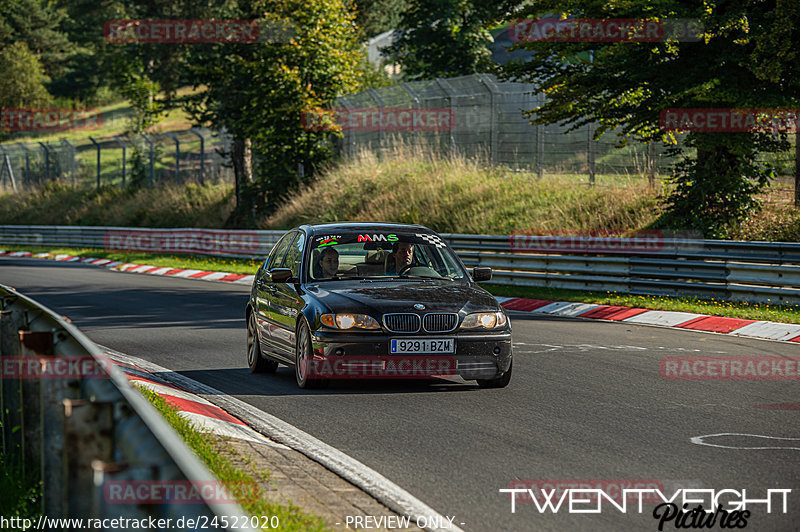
<point>733,309</point>
<point>207,447</point>
<point>20,494</point>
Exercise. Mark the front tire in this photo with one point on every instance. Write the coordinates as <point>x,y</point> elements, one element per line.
<point>255,360</point>
<point>303,356</point>
<point>498,382</point>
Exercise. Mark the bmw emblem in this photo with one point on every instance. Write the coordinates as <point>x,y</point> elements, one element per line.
<point>419,306</point>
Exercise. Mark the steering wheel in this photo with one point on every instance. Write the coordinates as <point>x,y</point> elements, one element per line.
<point>404,269</point>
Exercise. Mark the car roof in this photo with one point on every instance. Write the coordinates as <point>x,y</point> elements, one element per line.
<point>318,229</point>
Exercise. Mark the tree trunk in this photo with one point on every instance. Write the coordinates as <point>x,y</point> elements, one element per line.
<point>242,158</point>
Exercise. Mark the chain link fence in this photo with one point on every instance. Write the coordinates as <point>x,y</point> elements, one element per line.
<point>488,123</point>
<point>194,155</point>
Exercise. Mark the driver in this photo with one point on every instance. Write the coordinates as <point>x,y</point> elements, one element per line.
<point>403,255</point>
<point>328,264</point>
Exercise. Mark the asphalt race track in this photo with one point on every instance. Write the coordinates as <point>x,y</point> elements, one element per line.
<point>587,402</point>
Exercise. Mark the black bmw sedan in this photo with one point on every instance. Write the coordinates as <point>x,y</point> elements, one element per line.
<point>369,300</point>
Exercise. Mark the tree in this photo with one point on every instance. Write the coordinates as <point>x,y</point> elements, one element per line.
<point>443,38</point>
<point>21,78</point>
<point>627,84</point>
<point>260,92</point>
<point>376,16</point>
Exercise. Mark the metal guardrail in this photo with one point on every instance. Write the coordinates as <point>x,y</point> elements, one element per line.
<point>77,422</point>
<point>723,269</point>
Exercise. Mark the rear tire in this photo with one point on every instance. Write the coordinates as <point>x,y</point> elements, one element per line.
<point>498,382</point>
<point>303,354</point>
<point>255,360</point>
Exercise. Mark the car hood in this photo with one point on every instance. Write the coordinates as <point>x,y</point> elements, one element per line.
<point>379,298</point>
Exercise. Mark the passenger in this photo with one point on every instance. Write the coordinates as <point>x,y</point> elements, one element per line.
<point>403,255</point>
<point>328,264</point>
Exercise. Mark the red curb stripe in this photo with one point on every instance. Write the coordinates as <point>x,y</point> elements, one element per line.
<point>612,313</point>
<point>781,406</point>
<point>68,257</point>
<point>795,339</point>
<point>233,277</point>
<point>525,304</point>
<point>174,271</point>
<point>194,407</point>
<point>198,275</point>
<point>717,324</point>
<point>137,377</point>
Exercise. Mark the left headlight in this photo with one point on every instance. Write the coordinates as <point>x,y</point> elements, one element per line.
<point>349,321</point>
<point>484,320</point>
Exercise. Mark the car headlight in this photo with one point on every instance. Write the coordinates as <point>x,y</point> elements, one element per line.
<point>349,321</point>
<point>485,320</point>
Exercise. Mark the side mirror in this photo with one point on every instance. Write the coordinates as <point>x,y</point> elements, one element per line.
<point>481,273</point>
<point>278,275</point>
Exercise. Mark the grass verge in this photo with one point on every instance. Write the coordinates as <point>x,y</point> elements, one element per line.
<point>733,309</point>
<point>210,450</point>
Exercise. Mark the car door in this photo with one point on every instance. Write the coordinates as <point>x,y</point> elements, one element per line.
<point>286,302</point>
<point>265,290</point>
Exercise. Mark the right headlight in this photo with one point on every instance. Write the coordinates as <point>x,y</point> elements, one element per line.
<point>485,320</point>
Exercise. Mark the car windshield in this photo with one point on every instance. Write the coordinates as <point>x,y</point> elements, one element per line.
<point>381,255</point>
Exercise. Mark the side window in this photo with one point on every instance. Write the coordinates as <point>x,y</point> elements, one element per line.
<point>294,255</point>
<point>278,252</point>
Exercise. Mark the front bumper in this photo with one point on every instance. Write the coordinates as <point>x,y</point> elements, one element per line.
<point>484,355</point>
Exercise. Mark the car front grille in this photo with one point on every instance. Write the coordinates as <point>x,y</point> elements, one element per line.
<point>439,322</point>
<point>401,322</point>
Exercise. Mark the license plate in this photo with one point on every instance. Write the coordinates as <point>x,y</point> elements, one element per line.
<point>398,346</point>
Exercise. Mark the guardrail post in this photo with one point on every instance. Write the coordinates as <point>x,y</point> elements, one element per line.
<point>88,436</point>
<point>105,476</point>
<point>33,345</point>
<point>12,391</point>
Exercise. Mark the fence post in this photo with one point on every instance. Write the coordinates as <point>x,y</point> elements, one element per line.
<point>539,139</point>
<point>416,110</point>
<point>124,149</point>
<point>96,145</point>
<point>590,153</point>
<point>150,143</point>
<point>46,161</point>
<point>450,93</point>
<point>797,169</point>
<point>27,162</point>
<point>381,105</point>
<point>177,156</point>
<point>347,131</point>
<point>202,155</point>
<point>651,165</point>
<point>489,83</point>
<point>72,160</point>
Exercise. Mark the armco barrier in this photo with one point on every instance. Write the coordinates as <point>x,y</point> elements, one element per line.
<point>723,269</point>
<point>73,419</point>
